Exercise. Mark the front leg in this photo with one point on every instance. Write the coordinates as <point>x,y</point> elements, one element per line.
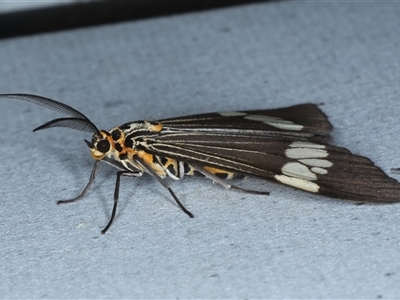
<point>81,195</point>
<point>116,194</point>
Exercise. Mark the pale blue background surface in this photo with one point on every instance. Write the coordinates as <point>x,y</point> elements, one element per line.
<point>290,244</point>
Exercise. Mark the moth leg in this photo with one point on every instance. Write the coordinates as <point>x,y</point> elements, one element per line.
<point>164,183</point>
<point>222,182</point>
<point>81,195</point>
<point>116,195</point>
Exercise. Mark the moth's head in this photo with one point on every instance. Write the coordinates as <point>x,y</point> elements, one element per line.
<point>108,144</point>
<point>102,144</point>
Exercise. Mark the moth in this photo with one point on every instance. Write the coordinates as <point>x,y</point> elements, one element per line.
<point>289,145</point>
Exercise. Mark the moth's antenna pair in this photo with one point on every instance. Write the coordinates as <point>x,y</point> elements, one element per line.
<point>76,119</point>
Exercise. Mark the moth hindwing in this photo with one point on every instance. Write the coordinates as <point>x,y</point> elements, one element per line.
<point>289,145</point>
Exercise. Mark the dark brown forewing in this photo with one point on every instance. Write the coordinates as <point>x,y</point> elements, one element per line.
<point>347,176</point>
<point>250,155</point>
<point>313,120</point>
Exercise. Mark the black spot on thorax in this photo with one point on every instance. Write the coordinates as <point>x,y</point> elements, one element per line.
<point>118,147</point>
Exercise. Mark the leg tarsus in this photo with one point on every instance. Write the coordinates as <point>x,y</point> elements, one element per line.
<point>111,219</point>
<point>179,203</point>
<point>81,195</point>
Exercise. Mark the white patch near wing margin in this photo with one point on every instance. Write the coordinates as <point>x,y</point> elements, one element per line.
<point>306,155</point>
<point>298,183</point>
<point>318,170</point>
<point>276,122</point>
<point>298,153</point>
<point>315,162</point>
<point>306,145</point>
<point>298,170</point>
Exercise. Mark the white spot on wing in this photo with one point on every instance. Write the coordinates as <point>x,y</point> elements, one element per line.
<point>315,162</point>
<point>295,169</point>
<point>306,145</point>
<point>319,170</point>
<point>276,122</point>
<point>307,165</point>
<point>298,183</point>
<point>232,114</point>
<point>298,153</point>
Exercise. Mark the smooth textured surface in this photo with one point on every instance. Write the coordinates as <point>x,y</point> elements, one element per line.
<point>288,245</point>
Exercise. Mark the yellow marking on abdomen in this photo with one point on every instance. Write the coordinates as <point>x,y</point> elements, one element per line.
<point>220,172</point>
<point>149,160</point>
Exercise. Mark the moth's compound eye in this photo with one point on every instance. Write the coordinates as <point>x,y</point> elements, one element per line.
<point>103,146</point>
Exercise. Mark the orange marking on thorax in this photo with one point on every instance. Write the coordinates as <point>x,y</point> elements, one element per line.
<point>156,128</point>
